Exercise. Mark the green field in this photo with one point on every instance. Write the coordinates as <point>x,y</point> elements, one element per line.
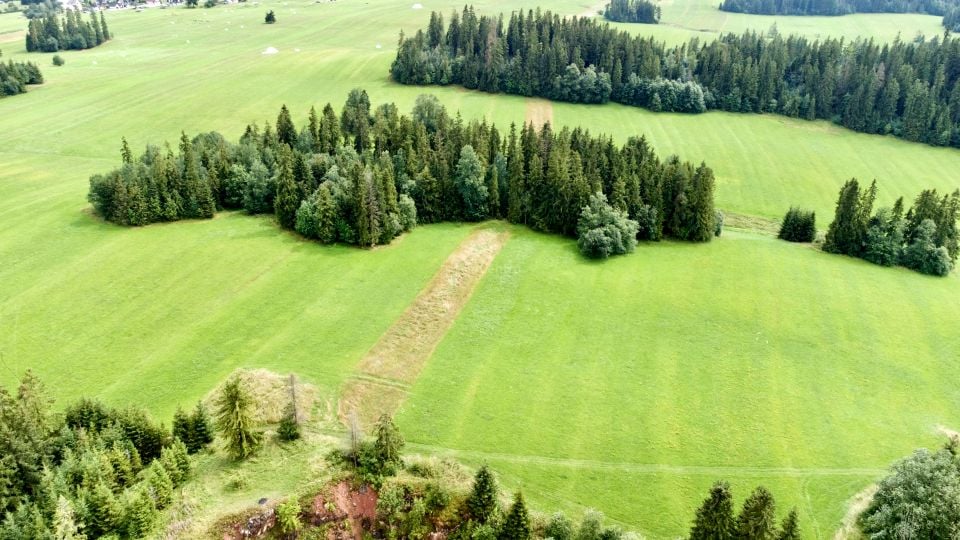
<point>651,376</point>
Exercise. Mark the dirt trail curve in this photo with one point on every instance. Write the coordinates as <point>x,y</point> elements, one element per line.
<point>383,377</point>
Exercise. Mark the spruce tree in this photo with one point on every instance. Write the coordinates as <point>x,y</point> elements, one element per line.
<point>289,429</point>
<point>789,528</point>
<point>286,132</point>
<point>756,519</point>
<point>714,520</point>
<point>482,502</point>
<point>235,420</point>
<point>329,131</point>
<point>182,428</point>
<point>313,127</point>
<point>844,235</point>
<point>389,443</point>
<point>287,199</point>
<point>201,431</point>
<point>65,525</point>
<point>517,524</point>
<point>103,28</point>
<point>470,184</point>
<point>141,513</point>
<point>326,215</point>
<point>160,485</point>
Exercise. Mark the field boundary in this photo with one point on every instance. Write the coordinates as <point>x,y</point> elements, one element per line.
<point>645,468</point>
<point>384,376</point>
<point>539,112</point>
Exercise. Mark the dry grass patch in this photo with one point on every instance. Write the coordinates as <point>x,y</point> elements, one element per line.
<point>272,393</point>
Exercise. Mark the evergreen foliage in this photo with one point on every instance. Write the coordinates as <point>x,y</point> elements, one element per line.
<point>516,526</point>
<point>388,445</point>
<point>836,7</point>
<point>714,519</point>
<point>482,504</point>
<point>908,88</point>
<point>289,429</point>
<point>288,517</point>
<point>235,420</point>
<point>51,33</point>
<point>15,76</point>
<point>632,11</point>
<point>387,172</point>
<point>790,527</point>
<point>925,239</point>
<point>757,517</point>
<point>270,17</point>
<point>798,226</point>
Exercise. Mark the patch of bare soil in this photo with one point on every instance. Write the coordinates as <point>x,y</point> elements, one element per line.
<point>539,112</point>
<point>848,529</point>
<point>385,374</point>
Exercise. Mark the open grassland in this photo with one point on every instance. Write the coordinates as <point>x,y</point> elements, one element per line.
<point>629,385</point>
<point>633,384</point>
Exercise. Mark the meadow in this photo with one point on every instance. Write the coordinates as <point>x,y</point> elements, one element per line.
<point>746,359</point>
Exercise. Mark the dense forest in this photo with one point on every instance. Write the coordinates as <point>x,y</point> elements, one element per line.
<point>836,7</point>
<point>908,89</point>
<point>368,175</point>
<point>93,468</point>
<point>52,34</point>
<point>924,238</point>
<point>632,11</point>
<point>15,76</point>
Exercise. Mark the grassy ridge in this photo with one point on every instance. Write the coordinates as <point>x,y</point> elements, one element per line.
<point>753,353</point>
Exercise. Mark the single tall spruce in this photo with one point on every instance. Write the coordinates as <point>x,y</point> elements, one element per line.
<point>286,131</point>
<point>517,524</point>
<point>844,235</point>
<point>201,429</point>
<point>235,420</point>
<point>756,519</point>
<point>482,502</point>
<point>714,520</point>
<point>287,199</point>
<point>790,527</point>
<point>389,443</point>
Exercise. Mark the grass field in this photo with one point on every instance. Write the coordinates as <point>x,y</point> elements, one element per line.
<point>747,359</point>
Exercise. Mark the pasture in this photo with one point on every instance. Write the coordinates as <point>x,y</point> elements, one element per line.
<point>629,386</point>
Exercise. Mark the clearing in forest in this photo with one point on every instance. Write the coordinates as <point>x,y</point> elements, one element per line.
<point>539,111</point>
<point>383,377</point>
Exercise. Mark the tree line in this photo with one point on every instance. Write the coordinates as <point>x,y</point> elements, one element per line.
<point>632,11</point>
<point>15,76</point>
<point>368,175</point>
<point>836,7</point>
<point>52,34</point>
<point>924,238</point>
<point>907,89</point>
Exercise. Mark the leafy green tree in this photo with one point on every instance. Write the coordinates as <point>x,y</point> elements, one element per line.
<point>756,519</point>
<point>920,498</point>
<point>924,256</point>
<point>482,503</point>
<point>714,520</point>
<point>288,517</point>
<point>604,231</point>
<point>591,526</point>
<point>234,419</point>
<point>559,527</point>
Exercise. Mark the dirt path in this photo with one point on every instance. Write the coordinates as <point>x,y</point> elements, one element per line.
<point>539,112</point>
<point>383,377</point>
<point>848,529</point>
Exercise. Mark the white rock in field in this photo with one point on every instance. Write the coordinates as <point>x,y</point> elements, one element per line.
<point>270,50</point>
<point>418,6</point>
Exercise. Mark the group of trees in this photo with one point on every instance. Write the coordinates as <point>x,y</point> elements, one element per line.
<point>757,519</point>
<point>798,226</point>
<point>15,76</point>
<point>94,469</point>
<point>52,34</point>
<point>908,89</point>
<point>368,175</point>
<point>632,11</point>
<point>923,239</point>
<point>836,7</point>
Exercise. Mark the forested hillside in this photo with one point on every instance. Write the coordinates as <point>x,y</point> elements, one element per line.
<point>907,89</point>
<point>836,7</point>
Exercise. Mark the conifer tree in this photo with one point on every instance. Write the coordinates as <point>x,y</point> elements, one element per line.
<point>106,514</point>
<point>141,513</point>
<point>389,443</point>
<point>326,216</point>
<point>313,128</point>
<point>286,131</point>
<point>182,428</point>
<point>756,519</point>
<point>289,429</point>
<point>482,502</point>
<point>714,520</point>
<point>235,420</point>
<point>329,133</point>
<point>790,527</point>
<point>287,199</point>
<point>103,28</point>
<point>201,431</point>
<point>160,485</point>
<point>517,524</point>
<point>470,184</point>
<point>65,525</point>
<point>844,234</point>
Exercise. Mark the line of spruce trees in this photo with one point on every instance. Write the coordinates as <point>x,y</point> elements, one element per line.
<point>632,11</point>
<point>836,7</point>
<point>923,239</point>
<point>908,89</point>
<point>15,76</point>
<point>52,34</point>
<point>366,176</point>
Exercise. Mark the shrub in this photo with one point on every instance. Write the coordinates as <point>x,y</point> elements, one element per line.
<point>604,231</point>
<point>923,255</point>
<point>58,60</point>
<point>270,18</point>
<point>798,226</point>
<point>289,429</point>
<point>288,517</point>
